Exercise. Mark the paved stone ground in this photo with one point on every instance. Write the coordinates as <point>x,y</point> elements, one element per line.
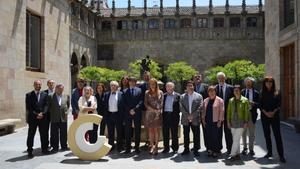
<point>13,156</point>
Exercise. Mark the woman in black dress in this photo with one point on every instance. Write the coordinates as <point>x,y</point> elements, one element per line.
<point>100,90</point>
<point>270,116</point>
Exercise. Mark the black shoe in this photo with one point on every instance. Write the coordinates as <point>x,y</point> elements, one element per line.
<point>228,152</point>
<point>268,155</point>
<point>196,154</point>
<point>185,152</point>
<point>45,152</point>
<point>214,155</point>
<point>231,158</point>
<point>175,151</point>
<point>244,152</point>
<point>54,150</point>
<point>65,149</point>
<point>252,153</point>
<point>282,159</point>
<point>127,151</point>
<point>137,151</point>
<point>166,151</point>
<point>30,155</point>
<point>237,157</point>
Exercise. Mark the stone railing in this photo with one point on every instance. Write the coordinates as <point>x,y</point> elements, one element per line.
<point>182,33</point>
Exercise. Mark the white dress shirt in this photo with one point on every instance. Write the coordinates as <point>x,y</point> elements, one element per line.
<point>169,102</point>
<point>38,94</point>
<point>250,94</point>
<point>59,97</point>
<point>113,102</point>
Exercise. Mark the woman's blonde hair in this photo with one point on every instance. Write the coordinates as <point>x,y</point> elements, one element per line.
<point>156,91</point>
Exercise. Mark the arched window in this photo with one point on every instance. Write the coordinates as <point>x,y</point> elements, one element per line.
<point>83,61</point>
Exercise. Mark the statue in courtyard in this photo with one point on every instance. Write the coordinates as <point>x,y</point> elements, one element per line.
<point>145,65</point>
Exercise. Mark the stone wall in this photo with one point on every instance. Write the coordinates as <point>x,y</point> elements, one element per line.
<point>200,53</point>
<point>16,80</point>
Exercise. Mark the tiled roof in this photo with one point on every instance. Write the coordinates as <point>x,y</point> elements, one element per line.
<point>168,11</point>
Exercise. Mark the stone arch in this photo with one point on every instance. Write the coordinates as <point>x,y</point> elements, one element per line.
<point>74,68</point>
<point>84,60</point>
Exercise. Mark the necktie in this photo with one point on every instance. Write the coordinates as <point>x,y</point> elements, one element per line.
<point>247,94</point>
<point>221,93</point>
<point>131,91</point>
<point>37,96</point>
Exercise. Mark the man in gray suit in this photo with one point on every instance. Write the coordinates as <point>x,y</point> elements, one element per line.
<point>58,106</point>
<point>190,107</point>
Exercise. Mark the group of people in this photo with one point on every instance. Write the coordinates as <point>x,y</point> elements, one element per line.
<point>126,107</point>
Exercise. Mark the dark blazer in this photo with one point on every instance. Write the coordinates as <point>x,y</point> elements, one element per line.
<point>120,102</point>
<point>74,100</point>
<point>134,101</point>
<point>203,90</point>
<point>58,113</point>
<point>253,109</point>
<point>33,107</point>
<point>228,94</point>
<point>100,104</point>
<point>176,107</point>
<point>48,114</point>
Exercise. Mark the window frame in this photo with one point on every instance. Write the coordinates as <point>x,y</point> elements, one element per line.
<point>155,25</point>
<point>250,23</point>
<point>170,23</point>
<point>137,22</point>
<point>235,22</point>
<point>185,24</point>
<point>202,23</point>
<point>28,51</point>
<point>219,19</point>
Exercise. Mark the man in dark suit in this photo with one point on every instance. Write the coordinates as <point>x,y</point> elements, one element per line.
<point>50,90</point>
<point>200,87</point>
<point>58,105</point>
<point>76,94</point>
<point>36,117</point>
<point>133,114</point>
<point>114,106</point>
<point>170,116</point>
<point>144,87</point>
<point>225,91</point>
<point>253,96</point>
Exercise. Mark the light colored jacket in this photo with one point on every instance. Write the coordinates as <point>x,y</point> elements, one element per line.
<point>218,109</point>
<point>82,103</point>
<point>196,108</point>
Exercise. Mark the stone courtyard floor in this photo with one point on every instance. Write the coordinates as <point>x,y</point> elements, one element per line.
<point>13,156</point>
